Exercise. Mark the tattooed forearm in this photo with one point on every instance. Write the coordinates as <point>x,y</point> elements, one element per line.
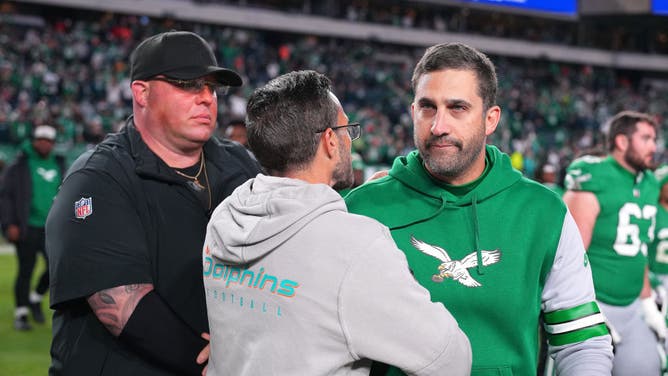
<point>113,307</point>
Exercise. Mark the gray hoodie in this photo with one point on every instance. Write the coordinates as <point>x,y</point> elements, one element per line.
<point>296,285</point>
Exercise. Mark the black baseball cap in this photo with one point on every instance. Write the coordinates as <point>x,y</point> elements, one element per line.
<point>178,54</point>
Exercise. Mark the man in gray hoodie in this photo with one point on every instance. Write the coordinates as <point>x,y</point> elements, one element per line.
<point>297,285</point>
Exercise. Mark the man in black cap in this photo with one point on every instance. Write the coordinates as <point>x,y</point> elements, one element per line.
<point>126,230</point>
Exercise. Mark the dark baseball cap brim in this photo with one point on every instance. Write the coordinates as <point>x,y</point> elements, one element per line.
<point>223,76</point>
<point>182,55</point>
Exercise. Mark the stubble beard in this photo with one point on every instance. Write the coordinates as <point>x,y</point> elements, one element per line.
<point>343,172</point>
<point>450,165</point>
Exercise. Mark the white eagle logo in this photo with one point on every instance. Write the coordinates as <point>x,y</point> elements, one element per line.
<point>47,175</point>
<point>456,269</point>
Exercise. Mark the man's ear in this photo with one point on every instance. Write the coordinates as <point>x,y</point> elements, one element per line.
<point>492,117</point>
<point>621,142</point>
<point>330,143</point>
<point>140,91</point>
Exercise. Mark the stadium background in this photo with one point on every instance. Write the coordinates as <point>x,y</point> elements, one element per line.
<point>562,71</point>
<point>564,67</point>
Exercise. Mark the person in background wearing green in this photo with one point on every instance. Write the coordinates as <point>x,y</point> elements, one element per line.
<point>657,256</point>
<point>658,251</point>
<point>613,199</point>
<point>28,188</point>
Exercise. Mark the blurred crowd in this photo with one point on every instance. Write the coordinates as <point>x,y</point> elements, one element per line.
<point>641,33</point>
<point>69,69</point>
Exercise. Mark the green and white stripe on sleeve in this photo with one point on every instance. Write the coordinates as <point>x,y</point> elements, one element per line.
<point>572,325</point>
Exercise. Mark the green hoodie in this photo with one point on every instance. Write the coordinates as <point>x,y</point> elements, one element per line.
<point>509,222</point>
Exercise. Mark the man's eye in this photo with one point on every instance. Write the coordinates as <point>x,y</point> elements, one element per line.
<point>428,111</point>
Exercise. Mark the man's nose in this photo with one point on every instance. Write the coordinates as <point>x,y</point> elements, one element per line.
<point>441,124</point>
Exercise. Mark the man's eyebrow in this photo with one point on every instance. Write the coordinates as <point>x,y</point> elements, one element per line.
<point>457,102</point>
<point>425,101</point>
<point>448,102</point>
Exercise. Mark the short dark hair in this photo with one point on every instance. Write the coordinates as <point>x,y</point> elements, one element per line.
<point>625,123</point>
<point>284,116</point>
<point>460,56</point>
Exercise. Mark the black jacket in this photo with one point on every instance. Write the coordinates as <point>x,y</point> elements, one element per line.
<point>16,192</point>
<point>139,222</point>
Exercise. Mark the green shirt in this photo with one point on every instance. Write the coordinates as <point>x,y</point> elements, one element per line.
<point>658,251</point>
<point>624,226</point>
<point>46,178</point>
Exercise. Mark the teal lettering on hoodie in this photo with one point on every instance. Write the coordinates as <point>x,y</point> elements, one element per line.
<point>288,288</point>
<point>249,278</point>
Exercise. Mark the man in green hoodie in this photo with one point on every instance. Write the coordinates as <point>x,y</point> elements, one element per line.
<point>29,186</point>
<point>499,249</point>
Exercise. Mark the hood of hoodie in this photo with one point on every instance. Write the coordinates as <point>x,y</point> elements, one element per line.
<point>263,213</point>
<point>410,171</point>
<point>499,175</point>
<point>426,196</point>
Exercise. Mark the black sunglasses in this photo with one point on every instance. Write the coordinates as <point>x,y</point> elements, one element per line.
<point>193,86</point>
<point>354,130</point>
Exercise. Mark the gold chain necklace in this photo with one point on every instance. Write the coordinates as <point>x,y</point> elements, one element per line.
<point>195,178</point>
<point>208,186</point>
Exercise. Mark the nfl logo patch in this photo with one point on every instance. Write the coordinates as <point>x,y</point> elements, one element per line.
<point>83,208</point>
